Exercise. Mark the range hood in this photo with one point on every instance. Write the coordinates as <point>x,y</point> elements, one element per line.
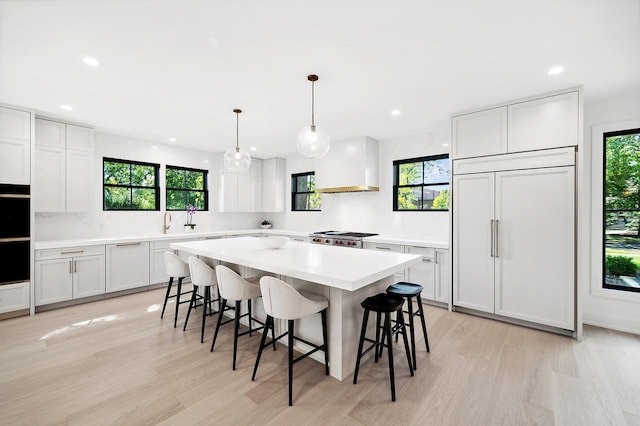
<point>350,166</point>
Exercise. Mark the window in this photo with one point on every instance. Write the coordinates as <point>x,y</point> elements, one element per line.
<point>186,187</point>
<point>130,185</point>
<point>621,201</point>
<point>421,184</point>
<point>303,192</point>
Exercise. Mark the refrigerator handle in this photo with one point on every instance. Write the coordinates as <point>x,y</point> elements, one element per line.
<point>492,232</point>
<point>497,237</point>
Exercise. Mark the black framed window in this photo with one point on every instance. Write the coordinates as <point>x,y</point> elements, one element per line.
<point>621,210</point>
<point>130,185</point>
<point>421,184</point>
<point>186,187</point>
<point>303,192</point>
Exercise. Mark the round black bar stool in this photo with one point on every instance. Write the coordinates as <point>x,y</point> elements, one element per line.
<point>383,304</point>
<point>410,291</point>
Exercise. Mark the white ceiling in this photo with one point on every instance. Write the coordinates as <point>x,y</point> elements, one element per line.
<point>178,68</point>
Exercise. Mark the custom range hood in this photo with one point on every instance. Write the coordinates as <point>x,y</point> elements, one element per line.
<point>350,166</point>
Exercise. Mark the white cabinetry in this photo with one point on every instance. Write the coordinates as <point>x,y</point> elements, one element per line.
<point>15,146</point>
<point>256,186</point>
<point>398,276</point>
<point>127,266</point>
<point>432,274</point>
<point>14,297</point>
<point>157,267</point>
<point>273,185</point>
<point>70,273</point>
<point>64,167</point>
<point>513,242</point>
<point>546,122</point>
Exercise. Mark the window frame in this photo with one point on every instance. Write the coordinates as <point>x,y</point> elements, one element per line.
<point>205,186</point>
<point>397,186</point>
<point>604,210</point>
<point>294,191</point>
<point>156,187</point>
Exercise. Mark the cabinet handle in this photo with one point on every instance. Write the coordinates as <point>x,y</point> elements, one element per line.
<point>383,248</point>
<point>71,266</point>
<point>72,252</point>
<point>426,259</point>
<point>436,258</point>
<point>14,239</point>
<point>492,231</point>
<point>127,244</point>
<point>75,266</point>
<point>497,230</point>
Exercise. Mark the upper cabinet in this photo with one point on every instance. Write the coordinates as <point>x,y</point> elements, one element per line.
<point>259,189</point>
<point>551,121</point>
<point>15,146</point>
<point>64,158</point>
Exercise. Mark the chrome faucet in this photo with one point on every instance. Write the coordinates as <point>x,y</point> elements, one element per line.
<point>164,222</point>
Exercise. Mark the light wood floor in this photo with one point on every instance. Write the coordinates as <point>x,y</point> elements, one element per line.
<point>116,362</point>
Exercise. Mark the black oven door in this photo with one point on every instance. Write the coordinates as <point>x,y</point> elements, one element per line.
<point>15,212</point>
<point>15,257</point>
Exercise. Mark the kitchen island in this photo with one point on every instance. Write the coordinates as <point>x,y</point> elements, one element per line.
<point>346,276</point>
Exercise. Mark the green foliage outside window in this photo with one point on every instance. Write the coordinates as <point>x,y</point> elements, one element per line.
<point>421,183</point>
<point>186,187</point>
<point>130,185</point>
<point>303,195</point>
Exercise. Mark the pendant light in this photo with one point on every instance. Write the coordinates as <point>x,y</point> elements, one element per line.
<point>236,159</point>
<point>313,141</point>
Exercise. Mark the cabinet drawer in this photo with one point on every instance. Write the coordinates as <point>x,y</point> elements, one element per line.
<point>384,247</point>
<point>69,252</point>
<point>166,244</point>
<point>14,297</point>
<point>425,252</point>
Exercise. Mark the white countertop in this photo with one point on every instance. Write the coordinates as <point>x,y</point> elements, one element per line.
<point>55,244</point>
<point>339,267</point>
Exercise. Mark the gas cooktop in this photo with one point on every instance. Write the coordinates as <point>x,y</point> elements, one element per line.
<point>343,234</point>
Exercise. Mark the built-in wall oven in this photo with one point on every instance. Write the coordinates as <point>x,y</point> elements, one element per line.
<point>15,226</point>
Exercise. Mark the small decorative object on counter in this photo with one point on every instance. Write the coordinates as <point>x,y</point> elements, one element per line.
<point>265,224</point>
<point>190,226</point>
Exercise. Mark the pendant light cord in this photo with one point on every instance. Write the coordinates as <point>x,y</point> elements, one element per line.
<point>237,131</point>
<point>313,102</point>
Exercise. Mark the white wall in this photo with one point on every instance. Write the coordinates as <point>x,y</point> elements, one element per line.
<point>601,310</point>
<point>96,224</point>
<point>373,211</point>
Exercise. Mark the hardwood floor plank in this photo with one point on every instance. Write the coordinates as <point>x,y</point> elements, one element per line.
<point>115,362</point>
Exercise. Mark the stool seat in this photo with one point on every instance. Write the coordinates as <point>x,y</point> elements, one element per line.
<point>383,303</point>
<point>405,289</point>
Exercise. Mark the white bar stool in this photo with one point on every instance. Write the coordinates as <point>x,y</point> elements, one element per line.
<point>176,268</point>
<point>282,301</point>
<point>234,288</point>
<point>202,275</point>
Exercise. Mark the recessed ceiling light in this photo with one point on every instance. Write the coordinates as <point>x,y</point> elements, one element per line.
<point>172,139</point>
<point>253,148</point>
<point>67,107</point>
<point>555,70</point>
<point>91,61</point>
<point>154,147</point>
<point>445,144</point>
<point>396,112</point>
<point>206,161</point>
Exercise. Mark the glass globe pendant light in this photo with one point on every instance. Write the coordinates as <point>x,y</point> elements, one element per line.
<point>313,141</point>
<point>237,159</point>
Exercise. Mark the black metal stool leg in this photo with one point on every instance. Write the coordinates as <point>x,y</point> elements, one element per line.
<point>290,338</point>
<point>191,303</point>
<point>378,352</point>
<point>411,330</point>
<point>424,325</point>
<point>265,331</point>
<point>166,296</point>
<point>175,317</point>
<point>363,331</point>
<point>236,327</point>
<point>387,331</point>
<point>323,315</point>
<point>220,315</point>
<point>207,296</point>
<point>406,344</point>
<point>250,326</point>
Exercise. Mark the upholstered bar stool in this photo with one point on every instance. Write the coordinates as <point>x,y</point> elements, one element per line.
<point>176,268</point>
<point>411,291</point>
<point>282,301</point>
<point>382,304</point>
<point>234,288</point>
<point>202,276</point>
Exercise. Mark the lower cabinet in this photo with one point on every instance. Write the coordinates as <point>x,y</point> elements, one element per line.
<point>157,267</point>
<point>70,273</point>
<point>432,273</point>
<point>14,297</point>
<point>127,266</point>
